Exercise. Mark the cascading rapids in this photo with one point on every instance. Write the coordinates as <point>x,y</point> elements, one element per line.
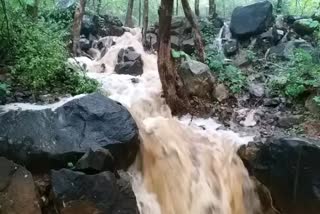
<point>184,166</point>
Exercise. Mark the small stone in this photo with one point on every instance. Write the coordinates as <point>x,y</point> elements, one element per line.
<point>288,121</point>
<point>221,92</point>
<point>256,89</point>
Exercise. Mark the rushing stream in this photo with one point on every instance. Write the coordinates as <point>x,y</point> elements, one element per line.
<point>185,166</point>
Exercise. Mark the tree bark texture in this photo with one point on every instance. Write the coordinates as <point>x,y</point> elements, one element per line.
<point>173,91</point>
<point>145,20</point>
<point>140,11</point>
<point>212,8</point>
<point>78,16</point>
<point>177,7</point>
<point>195,27</point>
<point>196,7</point>
<point>35,9</point>
<point>99,7</point>
<point>279,6</point>
<point>129,22</point>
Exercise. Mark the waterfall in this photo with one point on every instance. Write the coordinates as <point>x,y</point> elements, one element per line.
<point>223,35</point>
<point>185,166</point>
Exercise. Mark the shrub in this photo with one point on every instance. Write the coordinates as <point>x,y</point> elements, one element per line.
<point>38,57</point>
<point>297,77</point>
<point>230,75</point>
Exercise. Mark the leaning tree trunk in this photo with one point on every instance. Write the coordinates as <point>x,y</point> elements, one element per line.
<point>196,8</point>
<point>99,7</point>
<point>194,24</point>
<point>35,9</point>
<point>78,16</point>
<point>279,6</point>
<point>129,22</point>
<point>140,8</point>
<point>212,8</point>
<point>177,7</point>
<point>145,20</point>
<point>173,92</point>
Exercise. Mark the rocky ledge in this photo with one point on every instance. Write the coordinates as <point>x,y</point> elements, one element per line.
<point>68,156</point>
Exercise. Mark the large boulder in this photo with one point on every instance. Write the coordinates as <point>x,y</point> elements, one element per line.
<point>76,192</point>
<point>129,62</point>
<point>305,26</point>
<point>17,190</point>
<point>286,50</point>
<point>289,168</point>
<point>251,20</point>
<point>197,78</point>
<point>102,26</point>
<point>51,138</point>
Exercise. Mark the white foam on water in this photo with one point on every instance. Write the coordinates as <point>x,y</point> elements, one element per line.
<point>185,165</point>
<point>35,107</point>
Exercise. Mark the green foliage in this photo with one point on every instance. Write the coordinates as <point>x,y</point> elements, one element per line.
<point>4,90</point>
<point>230,75</point>
<point>317,100</point>
<point>233,78</point>
<point>36,52</point>
<point>299,76</point>
<point>40,54</point>
<point>179,54</point>
<point>251,56</point>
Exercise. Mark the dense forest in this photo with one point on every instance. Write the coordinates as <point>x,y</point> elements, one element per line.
<point>160,106</point>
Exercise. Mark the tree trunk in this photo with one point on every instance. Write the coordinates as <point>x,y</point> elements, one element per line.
<point>140,9</point>
<point>177,7</point>
<point>36,8</point>
<point>172,90</point>
<point>194,24</point>
<point>99,7</point>
<point>129,22</point>
<point>78,16</point>
<point>145,20</point>
<point>279,6</point>
<point>196,8</point>
<point>212,8</point>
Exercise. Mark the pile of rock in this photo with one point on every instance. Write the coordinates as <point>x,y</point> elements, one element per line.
<point>288,167</point>
<point>74,153</point>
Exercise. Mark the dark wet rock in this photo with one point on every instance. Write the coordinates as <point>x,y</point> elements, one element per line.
<point>272,102</point>
<point>286,50</point>
<point>305,26</point>
<point>96,160</point>
<point>45,139</point>
<point>231,47</point>
<point>129,62</point>
<point>259,14</point>
<point>289,168</point>
<point>84,44</point>
<point>102,26</point>
<point>17,191</point>
<point>288,121</point>
<point>188,46</point>
<point>76,192</point>
<point>197,78</point>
